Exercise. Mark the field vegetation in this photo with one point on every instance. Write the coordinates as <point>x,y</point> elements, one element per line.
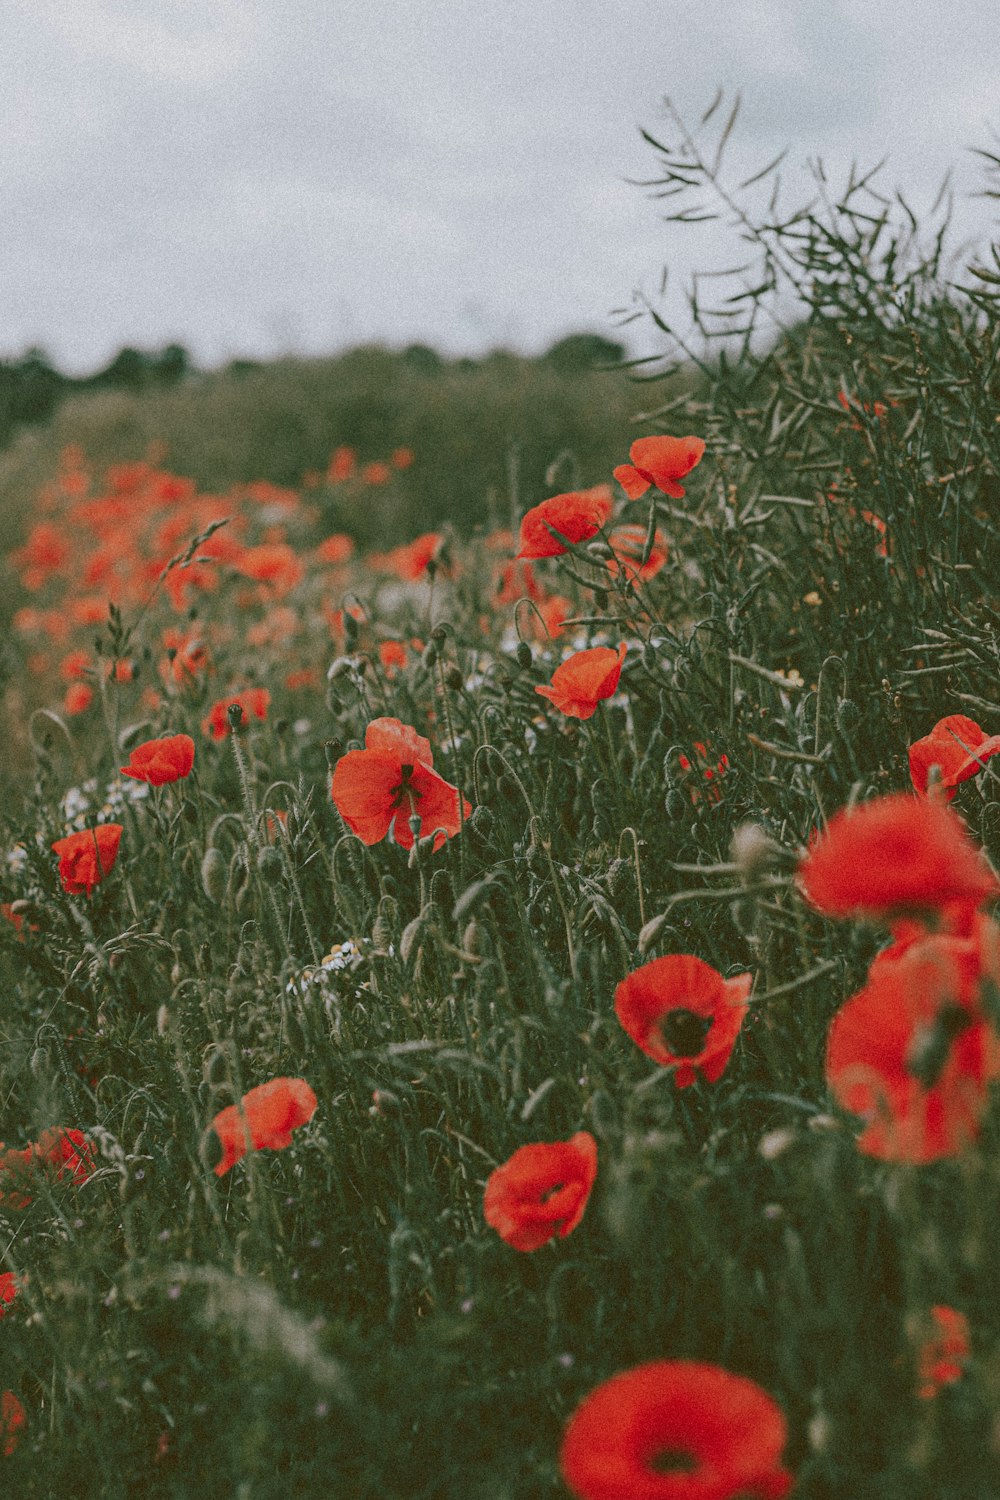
<point>452,1024</point>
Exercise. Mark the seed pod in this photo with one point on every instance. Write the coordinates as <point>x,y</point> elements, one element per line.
<point>213,875</point>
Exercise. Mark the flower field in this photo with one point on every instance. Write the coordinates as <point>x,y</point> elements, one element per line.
<point>514,1012</point>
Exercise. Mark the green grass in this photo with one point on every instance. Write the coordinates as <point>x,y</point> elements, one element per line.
<point>336,1319</point>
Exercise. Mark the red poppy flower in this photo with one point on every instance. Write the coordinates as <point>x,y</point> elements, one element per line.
<point>9,1288</point>
<point>392,655</point>
<point>66,1152</point>
<point>676,1430</point>
<point>12,1419</point>
<point>541,1191</point>
<point>684,1014</point>
<point>628,543</point>
<point>911,1052</point>
<point>892,857</point>
<point>943,1355</point>
<point>576,517</point>
<point>276,564</point>
<point>660,461</point>
<point>263,1120</point>
<point>383,785</point>
<point>410,561</point>
<point>959,749</point>
<point>337,548</point>
<point>343,462</point>
<point>78,698</point>
<point>160,761</point>
<point>86,857</point>
<point>402,458</point>
<point>58,1150</point>
<point>580,683</point>
<point>704,769</point>
<point>878,410</point>
<point>254,701</point>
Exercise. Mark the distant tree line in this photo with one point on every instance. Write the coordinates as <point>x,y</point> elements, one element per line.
<point>31,388</point>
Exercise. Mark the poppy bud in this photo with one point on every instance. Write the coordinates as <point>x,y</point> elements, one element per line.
<point>473,938</point>
<point>269,864</point>
<point>39,1063</point>
<point>440,633</point>
<point>213,875</point>
<point>350,629</point>
<point>409,937</point>
<point>675,805</point>
<point>453,677</point>
<point>430,654</point>
<point>523,655</point>
<point>482,819</point>
<point>384,1102</point>
<point>752,850</point>
<point>848,716</point>
<point>442,894</point>
<point>385,925</point>
<point>340,667</point>
<point>619,878</point>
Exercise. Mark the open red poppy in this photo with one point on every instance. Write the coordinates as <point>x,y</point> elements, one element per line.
<point>541,1191</point>
<point>659,461</point>
<point>390,780</point>
<point>12,1419</point>
<point>959,749</point>
<point>161,761</point>
<point>263,1120</point>
<point>583,680</point>
<point>944,1353</point>
<point>895,856</point>
<point>410,561</point>
<point>676,1430</point>
<point>912,1053</point>
<point>684,1014</point>
<point>573,517</point>
<point>86,857</point>
<point>628,543</point>
<point>255,701</point>
<point>9,1288</point>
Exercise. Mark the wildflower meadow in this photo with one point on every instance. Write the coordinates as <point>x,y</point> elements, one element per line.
<point>505,1003</point>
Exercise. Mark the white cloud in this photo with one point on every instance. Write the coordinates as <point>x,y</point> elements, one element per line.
<point>227,172</point>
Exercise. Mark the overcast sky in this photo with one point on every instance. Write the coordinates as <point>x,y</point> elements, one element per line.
<point>253,177</point>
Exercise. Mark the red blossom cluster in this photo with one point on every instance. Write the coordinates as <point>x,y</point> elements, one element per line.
<point>58,1153</point>
<point>914,1051</point>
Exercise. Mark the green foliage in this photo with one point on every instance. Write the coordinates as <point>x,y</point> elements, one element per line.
<point>335,1318</point>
